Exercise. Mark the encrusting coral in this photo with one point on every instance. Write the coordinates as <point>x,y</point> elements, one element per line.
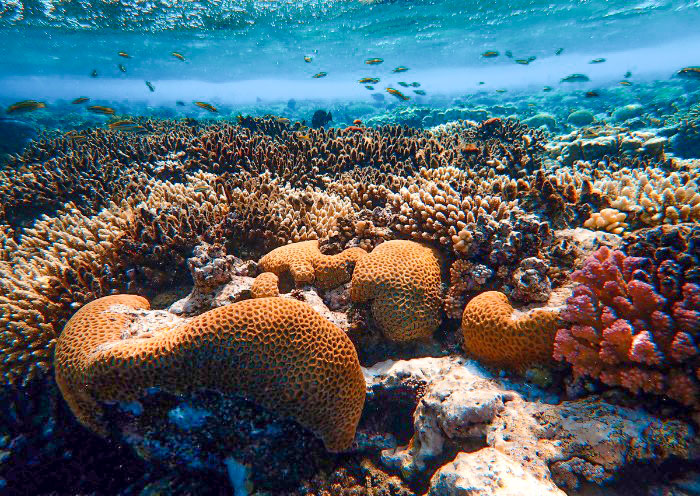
<point>307,265</point>
<point>634,322</point>
<point>277,352</point>
<point>402,280</point>
<point>494,335</point>
<point>266,285</point>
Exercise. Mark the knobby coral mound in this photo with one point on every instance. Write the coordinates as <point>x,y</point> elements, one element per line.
<point>634,322</point>
<point>277,352</point>
<point>402,280</point>
<point>495,334</point>
<point>266,285</point>
<point>306,264</point>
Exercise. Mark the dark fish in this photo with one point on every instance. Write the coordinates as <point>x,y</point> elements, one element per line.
<point>369,87</point>
<point>559,51</point>
<point>597,61</point>
<point>625,83</point>
<point>509,54</point>
<point>400,68</point>
<point>79,100</point>
<point>501,91</point>
<point>397,94</point>
<point>93,73</point>
<point>150,86</point>
<point>404,84</point>
<point>368,80</point>
<point>178,55</point>
<point>689,73</point>
<point>547,88</point>
<point>320,118</point>
<point>180,103</point>
<point>99,109</point>
<point>25,106</point>
<point>308,58</point>
<point>481,82</point>
<point>419,92</point>
<point>531,58</point>
<point>121,67</point>
<point>628,74</point>
<point>415,84</point>
<point>319,75</point>
<point>206,106</point>
<point>592,94</point>
<point>124,54</point>
<point>490,54</point>
<point>575,78</point>
<point>522,61</point>
<point>374,61</point>
<point>378,97</point>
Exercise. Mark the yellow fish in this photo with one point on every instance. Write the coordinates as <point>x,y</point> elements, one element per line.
<point>308,58</point>
<point>490,54</point>
<point>400,68</point>
<point>79,100</point>
<point>625,83</point>
<point>25,106</point>
<point>206,106</point>
<point>374,61</point>
<point>99,109</point>
<point>178,55</point>
<point>124,54</point>
<point>319,75</point>
<point>397,94</point>
<point>368,80</point>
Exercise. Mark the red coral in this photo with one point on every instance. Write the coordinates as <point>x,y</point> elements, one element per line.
<point>627,326</point>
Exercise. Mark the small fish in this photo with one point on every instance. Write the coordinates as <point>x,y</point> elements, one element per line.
<point>121,67</point>
<point>415,84</point>
<point>150,86</point>
<point>547,88</point>
<point>93,74</point>
<point>319,75</point>
<point>419,92</point>
<point>597,61</point>
<point>522,61</point>
<point>501,91</point>
<point>202,189</point>
<point>125,125</point>
<point>99,109</point>
<point>178,55</point>
<point>689,73</point>
<point>206,106</point>
<point>25,106</point>
<point>397,94</point>
<point>592,94</point>
<point>625,83</point>
<point>357,122</point>
<point>404,84</point>
<point>124,54</point>
<point>531,105</point>
<point>490,54</point>
<point>509,54</point>
<point>180,103</point>
<point>531,58</point>
<point>559,51</point>
<point>400,68</point>
<point>369,87</point>
<point>628,74</point>
<point>308,59</point>
<point>368,80</point>
<point>481,82</point>
<point>304,137</point>
<point>80,100</point>
<point>374,61</point>
<point>575,78</point>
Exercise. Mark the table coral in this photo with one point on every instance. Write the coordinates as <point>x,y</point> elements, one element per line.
<point>306,264</point>
<point>277,352</point>
<point>402,281</point>
<point>633,323</point>
<point>493,334</point>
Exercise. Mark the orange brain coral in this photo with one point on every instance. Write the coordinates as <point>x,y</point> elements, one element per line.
<point>402,279</point>
<point>306,264</point>
<point>494,335</point>
<point>279,353</point>
<point>265,285</point>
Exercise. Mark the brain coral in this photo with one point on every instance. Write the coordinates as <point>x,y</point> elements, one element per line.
<point>402,278</point>
<point>494,334</point>
<point>265,286</point>
<point>277,352</point>
<point>306,264</point>
<point>633,322</point>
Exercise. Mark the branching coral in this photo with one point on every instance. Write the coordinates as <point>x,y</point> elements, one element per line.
<point>633,322</point>
<point>278,352</point>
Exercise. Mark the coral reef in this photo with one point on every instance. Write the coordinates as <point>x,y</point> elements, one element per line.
<point>494,335</point>
<point>312,372</point>
<point>266,285</point>
<point>633,322</point>
<point>402,281</point>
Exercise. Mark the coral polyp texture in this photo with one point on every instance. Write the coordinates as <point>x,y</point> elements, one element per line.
<point>279,353</point>
<point>305,263</point>
<point>634,322</point>
<point>266,285</point>
<point>496,334</point>
<point>402,281</point>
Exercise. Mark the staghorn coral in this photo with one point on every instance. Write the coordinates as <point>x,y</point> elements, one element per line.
<point>634,322</point>
<point>402,280</point>
<point>495,335</point>
<point>278,352</point>
<point>306,264</point>
<point>266,285</point>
